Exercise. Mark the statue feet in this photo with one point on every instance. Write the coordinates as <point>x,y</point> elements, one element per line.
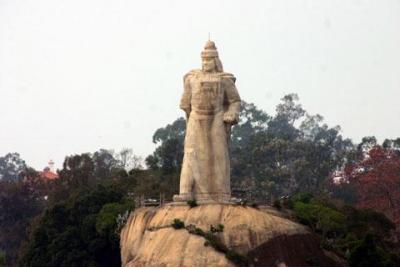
<point>203,197</point>
<point>182,197</point>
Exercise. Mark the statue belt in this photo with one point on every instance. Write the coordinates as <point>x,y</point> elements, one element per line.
<point>206,113</point>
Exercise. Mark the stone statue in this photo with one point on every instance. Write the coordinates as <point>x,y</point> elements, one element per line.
<point>212,104</point>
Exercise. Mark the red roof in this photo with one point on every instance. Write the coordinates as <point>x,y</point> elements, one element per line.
<point>47,174</point>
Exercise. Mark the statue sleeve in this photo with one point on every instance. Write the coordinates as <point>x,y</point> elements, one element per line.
<point>187,96</point>
<point>232,98</point>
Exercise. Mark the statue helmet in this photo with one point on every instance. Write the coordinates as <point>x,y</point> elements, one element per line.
<point>210,51</point>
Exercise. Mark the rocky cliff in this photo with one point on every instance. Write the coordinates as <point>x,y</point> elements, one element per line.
<point>264,238</point>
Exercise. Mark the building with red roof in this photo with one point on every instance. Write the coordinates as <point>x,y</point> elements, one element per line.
<point>48,173</point>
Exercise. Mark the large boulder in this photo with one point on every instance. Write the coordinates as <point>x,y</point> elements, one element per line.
<point>264,237</point>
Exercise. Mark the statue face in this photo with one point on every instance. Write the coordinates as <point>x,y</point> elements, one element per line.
<point>208,64</point>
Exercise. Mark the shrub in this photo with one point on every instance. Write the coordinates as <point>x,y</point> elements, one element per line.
<point>367,253</point>
<point>254,205</point>
<point>303,197</point>
<point>198,231</point>
<point>192,203</point>
<point>288,203</point>
<point>215,242</point>
<point>311,260</point>
<point>241,260</point>
<point>218,229</point>
<point>320,218</point>
<point>277,204</point>
<point>107,217</point>
<point>178,224</point>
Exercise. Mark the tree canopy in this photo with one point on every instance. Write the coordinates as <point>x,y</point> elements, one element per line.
<point>288,158</point>
<point>271,156</point>
<point>83,231</point>
<point>11,167</point>
<point>376,179</point>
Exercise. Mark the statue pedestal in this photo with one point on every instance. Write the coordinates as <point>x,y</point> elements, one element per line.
<point>148,239</point>
<point>203,198</point>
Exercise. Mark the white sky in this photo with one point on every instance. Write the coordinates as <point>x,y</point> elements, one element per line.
<point>77,76</point>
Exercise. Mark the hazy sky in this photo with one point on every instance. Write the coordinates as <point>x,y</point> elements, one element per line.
<point>77,76</point>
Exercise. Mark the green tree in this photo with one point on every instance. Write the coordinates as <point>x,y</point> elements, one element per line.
<point>168,155</point>
<point>11,167</point>
<point>18,205</point>
<point>292,151</point>
<point>320,218</point>
<point>106,223</point>
<point>87,170</point>
<point>128,160</point>
<point>346,229</point>
<point>251,122</point>
<point>78,170</point>
<point>393,144</point>
<point>104,164</point>
<point>365,145</point>
<point>271,156</point>
<point>79,232</point>
<point>368,253</point>
<point>2,258</point>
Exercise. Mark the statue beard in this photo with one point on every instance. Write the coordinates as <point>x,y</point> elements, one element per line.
<point>218,66</point>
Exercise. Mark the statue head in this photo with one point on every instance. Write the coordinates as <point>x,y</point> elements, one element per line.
<point>210,59</point>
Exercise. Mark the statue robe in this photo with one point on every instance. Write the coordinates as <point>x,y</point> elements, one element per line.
<point>205,171</point>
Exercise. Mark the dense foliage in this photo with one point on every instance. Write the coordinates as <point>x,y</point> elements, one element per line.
<point>25,198</point>
<point>2,258</point>
<point>271,156</point>
<point>18,205</point>
<point>364,237</point>
<point>82,231</point>
<point>11,167</point>
<point>288,159</point>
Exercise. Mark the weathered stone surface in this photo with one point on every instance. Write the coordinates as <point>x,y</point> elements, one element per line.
<point>149,240</point>
<point>212,104</point>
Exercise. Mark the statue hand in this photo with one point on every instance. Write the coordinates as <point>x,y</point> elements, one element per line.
<point>230,118</point>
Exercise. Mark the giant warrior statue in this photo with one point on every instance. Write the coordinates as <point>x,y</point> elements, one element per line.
<point>212,105</point>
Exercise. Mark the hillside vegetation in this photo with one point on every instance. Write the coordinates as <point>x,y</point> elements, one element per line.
<point>288,160</point>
